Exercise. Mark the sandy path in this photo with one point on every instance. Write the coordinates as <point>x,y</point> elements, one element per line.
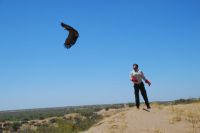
<point>141,121</point>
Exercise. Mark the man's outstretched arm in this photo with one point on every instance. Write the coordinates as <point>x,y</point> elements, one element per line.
<point>146,80</point>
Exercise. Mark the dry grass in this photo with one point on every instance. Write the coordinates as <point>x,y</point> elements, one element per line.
<point>190,113</point>
<point>193,117</point>
<point>157,105</point>
<point>157,130</point>
<point>175,119</point>
<point>154,130</point>
<point>177,114</point>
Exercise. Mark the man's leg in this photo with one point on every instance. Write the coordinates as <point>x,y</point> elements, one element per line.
<point>137,98</point>
<point>144,95</point>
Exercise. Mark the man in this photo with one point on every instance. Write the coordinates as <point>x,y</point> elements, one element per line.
<point>136,76</point>
<point>72,37</point>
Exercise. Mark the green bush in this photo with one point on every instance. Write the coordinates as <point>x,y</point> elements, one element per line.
<point>131,104</point>
<point>106,108</point>
<point>185,101</point>
<point>16,126</point>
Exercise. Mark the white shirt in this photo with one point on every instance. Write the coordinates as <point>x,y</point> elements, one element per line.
<point>139,75</point>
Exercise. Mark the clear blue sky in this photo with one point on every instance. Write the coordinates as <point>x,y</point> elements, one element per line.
<point>36,71</point>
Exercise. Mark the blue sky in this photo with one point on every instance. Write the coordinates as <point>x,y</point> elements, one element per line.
<point>36,71</point>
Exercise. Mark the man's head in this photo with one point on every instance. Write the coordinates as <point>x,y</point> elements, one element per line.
<point>135,67</point>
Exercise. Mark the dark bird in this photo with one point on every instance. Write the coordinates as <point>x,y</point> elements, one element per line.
<point>72,36</point>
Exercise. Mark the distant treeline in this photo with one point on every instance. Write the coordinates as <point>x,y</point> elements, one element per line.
<point>32,114</point>
<point>186,101</point>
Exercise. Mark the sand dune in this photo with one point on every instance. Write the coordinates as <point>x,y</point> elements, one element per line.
<point>160,119</point>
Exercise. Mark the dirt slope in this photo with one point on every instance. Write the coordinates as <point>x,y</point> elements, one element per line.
<point>160,119</point>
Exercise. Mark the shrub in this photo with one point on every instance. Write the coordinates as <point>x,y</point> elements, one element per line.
<point>106,108</point>
<point>131,104</point>
<point>16,126</point>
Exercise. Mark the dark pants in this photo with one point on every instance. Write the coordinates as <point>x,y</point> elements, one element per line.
<point>140,87</point>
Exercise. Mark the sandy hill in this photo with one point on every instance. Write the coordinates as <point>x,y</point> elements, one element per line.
<point>183,118</point>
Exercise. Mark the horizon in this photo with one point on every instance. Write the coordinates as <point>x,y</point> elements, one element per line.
<point>43,108</point>
<point>38,71</point>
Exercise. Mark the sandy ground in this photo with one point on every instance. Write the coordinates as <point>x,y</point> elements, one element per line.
<point>160,119</point>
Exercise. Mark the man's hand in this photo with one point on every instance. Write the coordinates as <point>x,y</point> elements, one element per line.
<point>134,79</point>
<point>148,82</point>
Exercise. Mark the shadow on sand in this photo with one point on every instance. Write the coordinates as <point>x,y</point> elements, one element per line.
<point>146,110</point>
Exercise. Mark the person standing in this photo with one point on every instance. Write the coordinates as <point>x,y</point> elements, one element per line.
<point>136,76</point>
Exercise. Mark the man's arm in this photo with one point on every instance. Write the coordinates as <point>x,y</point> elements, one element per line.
<point>146,80</point>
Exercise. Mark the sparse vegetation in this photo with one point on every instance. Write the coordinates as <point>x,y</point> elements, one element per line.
<point>37,120</point>
<point>155,130</point>
<point>191,115</point>
<point>67,125</point>
<point>186,101</point>
<point>16,126</point>
<point>75,119</point>
<point>106,108</point>
<point>157,105</point>
<point>131,104</point>
<point>177,114</point>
